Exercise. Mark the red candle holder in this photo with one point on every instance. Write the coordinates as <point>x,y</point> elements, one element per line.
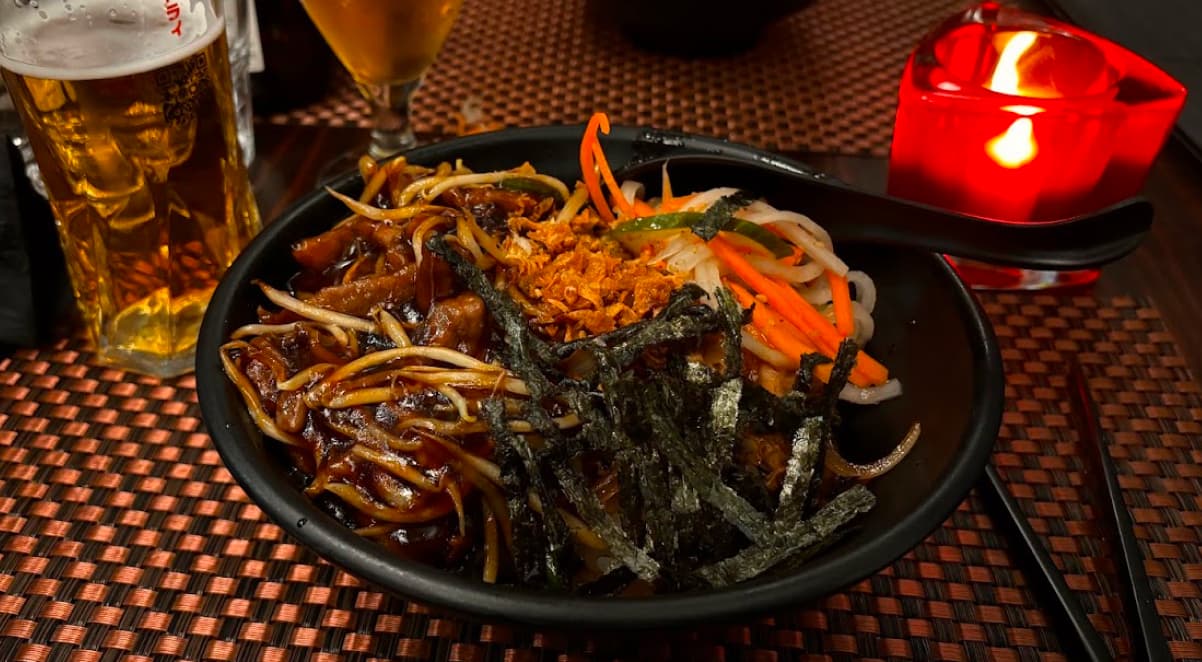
<point>1018,118</point>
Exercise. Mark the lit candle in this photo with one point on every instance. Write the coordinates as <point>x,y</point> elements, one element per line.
<point>1010,116</point>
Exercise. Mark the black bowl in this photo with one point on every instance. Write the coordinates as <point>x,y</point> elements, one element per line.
<point>930,332</point>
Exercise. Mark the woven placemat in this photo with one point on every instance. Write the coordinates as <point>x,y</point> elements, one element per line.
<point>822,80</point>
<point>122,536</point>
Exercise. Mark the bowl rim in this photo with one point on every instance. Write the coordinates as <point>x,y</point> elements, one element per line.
<point>284,504</point>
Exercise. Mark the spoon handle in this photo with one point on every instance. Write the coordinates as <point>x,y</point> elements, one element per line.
<point>1076,243</point>
<point>851,214</point>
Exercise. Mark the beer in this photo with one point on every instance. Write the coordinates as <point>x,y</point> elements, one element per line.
<point>131,119</point>
<point>384,42</point>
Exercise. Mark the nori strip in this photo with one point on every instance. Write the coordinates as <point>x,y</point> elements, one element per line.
<point>845,360</point>
<point>692,322</point>
<point>665,435</point>
<point>788,541</point>
<point>528,535</point>
<point>590,509</point>
<point>723,422</point>
<point>683,301</point>
<point>799,470</point>
<point>526,354</point>
<point>719,214</point>
<point>663,538</point>
<point>554,528</point>
<point>733,319</point>
<point>646,475</point>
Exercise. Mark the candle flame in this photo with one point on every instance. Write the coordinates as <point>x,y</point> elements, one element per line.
<point>1016,147</point>
<point>1006,78</point>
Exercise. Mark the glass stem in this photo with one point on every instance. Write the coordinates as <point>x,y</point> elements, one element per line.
<point>393,129</point>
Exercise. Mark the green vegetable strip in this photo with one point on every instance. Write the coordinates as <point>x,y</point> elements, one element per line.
<point>789,541</point>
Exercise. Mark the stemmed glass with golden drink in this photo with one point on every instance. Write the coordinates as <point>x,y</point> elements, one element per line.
<point>386,45</point>
<point>129,111</point>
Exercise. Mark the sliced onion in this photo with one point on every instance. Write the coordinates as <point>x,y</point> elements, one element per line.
<point>631,190</point>
<point>688,259</point>
<point>674,245</point>
<point>763,352</point>
<point>762,213</point>
<point>817,295</point>
<point>703,200</point>
<point>816,250</point>
<point>709,278</point>
<point>871,395</point>
<point>795,275</point>
<point>841,467</point>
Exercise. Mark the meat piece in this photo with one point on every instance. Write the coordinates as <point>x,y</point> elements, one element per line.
<point>334,245</point>
<point>492,207</point>
<point>320,252</point>
<point>435,280</point>
<point>457,323</point>
<point>358,297</point>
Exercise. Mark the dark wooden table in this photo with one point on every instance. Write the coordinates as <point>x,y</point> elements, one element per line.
<point>1167,269</point>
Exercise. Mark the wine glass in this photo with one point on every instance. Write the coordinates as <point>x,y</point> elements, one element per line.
<point>386,45</point>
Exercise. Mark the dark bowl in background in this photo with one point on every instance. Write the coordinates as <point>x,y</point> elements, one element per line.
<point>697,27</point>
<point>930,333</point>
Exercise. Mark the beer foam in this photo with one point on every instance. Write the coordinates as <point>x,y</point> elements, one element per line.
<point>106,39</point>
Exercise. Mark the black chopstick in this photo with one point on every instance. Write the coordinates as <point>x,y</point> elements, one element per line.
<point>1066,603</point>
<point>1143,621</point>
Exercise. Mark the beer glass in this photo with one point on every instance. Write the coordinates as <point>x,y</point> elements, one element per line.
<point>386,45</point>
<point>130,114</point>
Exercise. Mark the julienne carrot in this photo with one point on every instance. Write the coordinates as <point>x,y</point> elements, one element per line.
<point>607,176</point>
<point>588,166</point>
<point>594,168</point>
<point>845,321</point>
<point>776,329</point>
<point>782,335</point>
<point>787,302</point>
<point>825,336</point>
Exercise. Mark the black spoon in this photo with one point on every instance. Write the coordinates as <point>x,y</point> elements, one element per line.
<point>851,214</point>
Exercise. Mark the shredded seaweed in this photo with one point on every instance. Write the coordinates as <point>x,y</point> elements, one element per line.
<point>788,541</point>
<point>669,434</point>
<point>666,437</point>
<point>799,470</point>
<point>573,484</point>
<point>554,528</point>
<point>723,422</point>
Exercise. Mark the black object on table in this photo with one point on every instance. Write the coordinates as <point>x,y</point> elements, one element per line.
<point>1143,622</point>
<point>1007,511</point>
